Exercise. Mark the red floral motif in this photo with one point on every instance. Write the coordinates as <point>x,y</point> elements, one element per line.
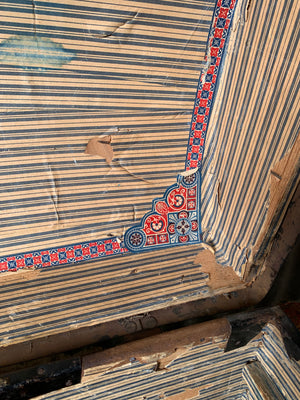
<point>155,223</point>
<point>183,239</point>
<point>101,248</point>
<point>53,257</point>
<point>171,228</point>
<point>183,214</point>
<point>163,239</point>
<point>37,260</point>
<point>177,199</point>
<point>192,192</point>
<point>191,205</point>
<point>161,207</point>
<point>151,240</point>
<point>70,254</point>
<point>194,225</point>
<point>21,263</point>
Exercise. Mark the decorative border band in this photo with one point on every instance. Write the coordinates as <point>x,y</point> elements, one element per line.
<point>208,82</point>
<point>64,255</point>
<point>169,222</point>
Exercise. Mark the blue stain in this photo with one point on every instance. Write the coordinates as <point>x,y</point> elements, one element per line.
<point>34,52</point>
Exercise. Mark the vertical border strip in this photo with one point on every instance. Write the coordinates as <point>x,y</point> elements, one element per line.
<point>208,82</point>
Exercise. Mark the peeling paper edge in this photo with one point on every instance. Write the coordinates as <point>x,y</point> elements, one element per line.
<point>189,172</point>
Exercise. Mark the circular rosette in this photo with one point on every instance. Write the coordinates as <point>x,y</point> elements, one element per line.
<point>189,181</point>
<point>183,226</point>
<point>155,224</point>
<point>134,239</point>
<point>177,199</point>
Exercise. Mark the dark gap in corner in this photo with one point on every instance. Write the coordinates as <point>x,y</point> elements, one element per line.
<point>39,379</point>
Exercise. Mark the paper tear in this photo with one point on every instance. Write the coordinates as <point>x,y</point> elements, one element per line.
<point>274,173</point>
<point>132,174</point>
<point>219,276</point>
<point>164,360</point>
<point>284,178</point>
<point>207,60</point>
<point>34,15</point>
<point>134,271</point>
<point>106,35</point>
<point>240,16</point>
<point>219,194</point>
<point>100,146</point>
<point>205,246</point>
<point>54,195</point>
<point>134,212</point>
<point>247,10</point>
<point>118,235</point>
<point>54,203</point>
<point>23,274</point>
<point>187,394</point>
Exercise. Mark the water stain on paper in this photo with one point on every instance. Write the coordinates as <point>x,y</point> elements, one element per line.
<point>31,52</point>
